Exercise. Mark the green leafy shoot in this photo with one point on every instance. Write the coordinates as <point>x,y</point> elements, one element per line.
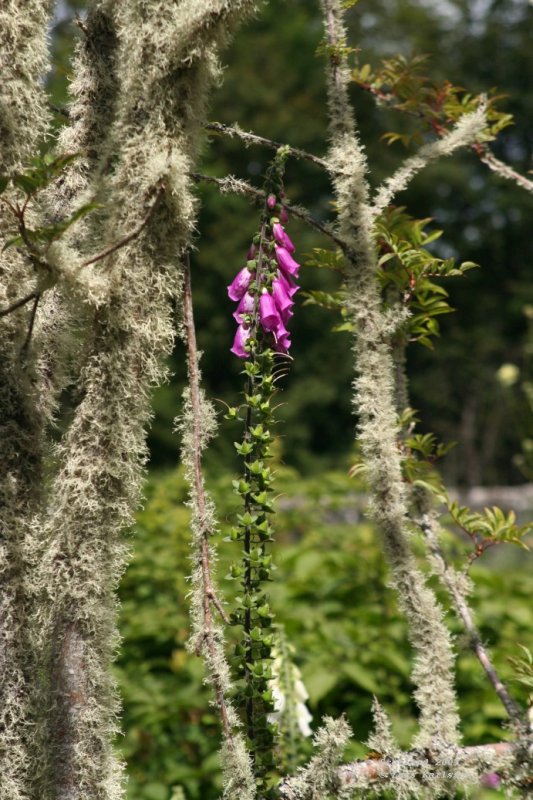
<point>42,172</point>
<point>335,301</point>
<point>428,447</point>
<point>47,234</point>
<point>523,667</point>
<point>420,455</point>
<point>326,259</point>
<point>336,52</point>
<point>487,528</point>
<point>401,83</point>
<point>406,269</point>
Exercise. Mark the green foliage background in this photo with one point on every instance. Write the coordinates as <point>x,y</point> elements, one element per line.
<point>331,591</point>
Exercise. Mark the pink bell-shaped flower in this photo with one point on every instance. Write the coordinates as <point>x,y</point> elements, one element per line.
<point>268,313</point>
<point>241,337</point>
<point>282,299</point>
<point>282,238</point>
<point>286,262</point>
<point>240,284</point>
<point>246,306</point>
<point>283,338</point>
<point>287,284</point>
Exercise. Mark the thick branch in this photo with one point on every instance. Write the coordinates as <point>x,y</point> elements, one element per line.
<point>253,138</point>
<point>495,757</point>
<point>374,400</point>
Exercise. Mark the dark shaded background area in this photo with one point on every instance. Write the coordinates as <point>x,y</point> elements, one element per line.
<point>273,85</point>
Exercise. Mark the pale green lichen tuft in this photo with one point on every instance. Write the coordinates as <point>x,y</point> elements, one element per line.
<point>320,778</point>
<point>382,739</point>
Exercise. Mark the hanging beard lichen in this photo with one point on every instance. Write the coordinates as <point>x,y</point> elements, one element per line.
<point>137,118</point>
<point>24,119</point>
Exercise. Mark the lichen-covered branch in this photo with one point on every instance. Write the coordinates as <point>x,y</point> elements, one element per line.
<point>232,185</point>
<point>61,313</point>
<point>403,772</point>
<point>458,765</point>
<point>252,138</point>
<point>458,587</point>
<point>433,671</point>
<point>321,777</point>
<point>165,62</point>
<point>485,155</point>
<point>24,118</point>
<point>464,133</point>
<point>502,169</point>
<point>197,425</point>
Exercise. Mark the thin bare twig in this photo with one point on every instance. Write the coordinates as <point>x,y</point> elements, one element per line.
<point>27,340</point>
<point>253,138</point>
<point>38,260</point>
<point>129,236</point>
<point>230,184</point>
<point>209,594</point>
<point>18,303</point>
<point>502,169</point>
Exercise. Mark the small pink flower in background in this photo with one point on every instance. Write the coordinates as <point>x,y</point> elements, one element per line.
<point>241,337</point>
<point>271,202</point>
<point>286,262</point>
<point>252,250</point>
<point>491,780</point>
<point>240,284</point>
<point>283,216</point>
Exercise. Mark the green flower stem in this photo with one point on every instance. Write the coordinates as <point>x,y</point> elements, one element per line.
<point>248,503</point>
<point>254,529</point>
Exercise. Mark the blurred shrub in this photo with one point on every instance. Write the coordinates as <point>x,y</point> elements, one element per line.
<point>330,592</point>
